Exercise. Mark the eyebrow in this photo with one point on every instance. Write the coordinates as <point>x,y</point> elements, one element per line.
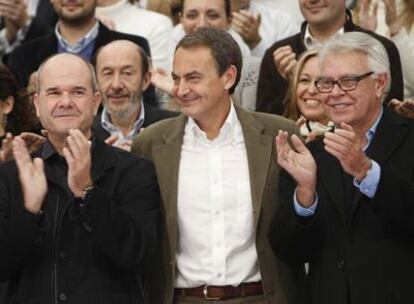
<point>59,89</point>
<point>189,74</point>
<point>110,67</point>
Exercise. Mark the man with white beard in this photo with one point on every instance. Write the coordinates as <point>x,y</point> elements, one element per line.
<point>123,75</point>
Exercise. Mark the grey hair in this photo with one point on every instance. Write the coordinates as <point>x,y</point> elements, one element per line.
<point>94,82</point>
<point>363,43</point>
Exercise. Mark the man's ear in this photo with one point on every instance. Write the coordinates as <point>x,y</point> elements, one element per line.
<point>36,103</point>
<point>97,98</point>
<point>229,77</point>
<point>146,81</point>
<point>381,84</point>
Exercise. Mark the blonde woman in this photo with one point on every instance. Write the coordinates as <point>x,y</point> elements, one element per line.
<point>303,102</point>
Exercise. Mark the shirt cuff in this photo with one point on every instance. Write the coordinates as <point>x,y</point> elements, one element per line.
<point>369,184</point>
<point>305,212</point>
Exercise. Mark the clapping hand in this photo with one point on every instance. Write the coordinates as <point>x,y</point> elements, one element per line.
<point>404,108</point>
<point>300,164</point>
<point>348,148</point>
<point>122,144</point>
<point>247,25</point>
<point>78,157</point>
<point>285,61</point>
<point>32,176</point>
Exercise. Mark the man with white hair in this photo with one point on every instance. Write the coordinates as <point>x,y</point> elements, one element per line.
<point>346,208</point>
<point>323,20</point>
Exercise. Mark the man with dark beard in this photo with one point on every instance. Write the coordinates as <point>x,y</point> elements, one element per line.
<point>123,75</point>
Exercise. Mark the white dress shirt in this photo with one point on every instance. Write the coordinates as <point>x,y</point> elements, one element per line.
<point>288,6</point>
<point>216,244</point>
<point>275,25</point>
<point>311,42</point>
<point>178,33</point>
<point>155,27</point>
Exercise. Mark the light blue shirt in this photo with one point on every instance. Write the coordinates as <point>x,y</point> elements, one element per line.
<point>114,130</point>
<point>367,186</point>
<point>84,47</point>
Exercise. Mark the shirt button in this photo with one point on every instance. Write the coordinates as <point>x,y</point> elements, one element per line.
<point>219,275</point>
<point>63,297</point>
<point>341,264</point>
<point>62,254</point>
<point>87,227</point>
<point>38,240</point>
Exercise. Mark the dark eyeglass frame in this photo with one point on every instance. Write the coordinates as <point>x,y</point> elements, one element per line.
<point>356,80</point>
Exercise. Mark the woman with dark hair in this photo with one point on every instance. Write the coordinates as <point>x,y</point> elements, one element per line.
<point>16,112</point>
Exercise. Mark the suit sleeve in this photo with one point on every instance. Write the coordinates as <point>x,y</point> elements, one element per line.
<point>126,230</point>
<point>14,61</point>
<point>271,88</point>
<point>21,232</point>
<point>294,239</point>
<point>394,200</point>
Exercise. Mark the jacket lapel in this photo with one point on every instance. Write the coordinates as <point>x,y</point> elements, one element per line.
<point>167,161</point>
<point>330,176</point>
<point>390,133</point>
<point>102,159</point>
<point>259,148</point>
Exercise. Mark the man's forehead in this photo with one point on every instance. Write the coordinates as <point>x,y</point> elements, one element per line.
<point>65,75</point>
<point>344,63</point>
<point>118,53</point>
<point>64,63</point>
<point>116,61</point>
<point>205,4</point>
<point>64,79</point>
<point>64,86</point>
<point>192,59</point>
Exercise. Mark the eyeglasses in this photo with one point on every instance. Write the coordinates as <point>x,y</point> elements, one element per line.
<point>347,83</point>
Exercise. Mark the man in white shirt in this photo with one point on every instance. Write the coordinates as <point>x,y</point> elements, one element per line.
<point>131,19</point>
<point>216,14</point>
<point>260,26</point>
<point>217,174</point>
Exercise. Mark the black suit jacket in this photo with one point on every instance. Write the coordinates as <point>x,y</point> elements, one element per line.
<point>43,23</point>
<point>152,115</point>
<point>77,254</point>
<point>272,86</point>
<point>363,250</point>
<point>26,59</point>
